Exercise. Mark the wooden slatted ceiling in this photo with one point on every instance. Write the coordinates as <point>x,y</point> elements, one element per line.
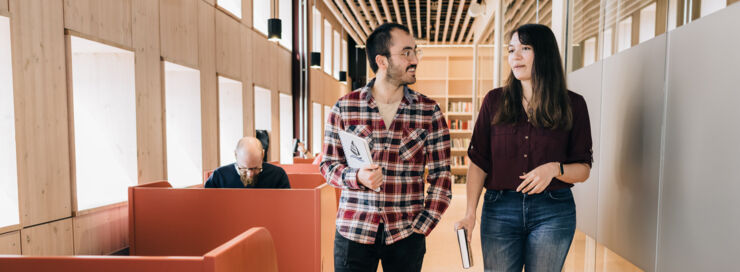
<point>427,19</point>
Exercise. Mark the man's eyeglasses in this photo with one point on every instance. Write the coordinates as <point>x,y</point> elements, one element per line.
<point>408,53</point>
<point>254,170</point>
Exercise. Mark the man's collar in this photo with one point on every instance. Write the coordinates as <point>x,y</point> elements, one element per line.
<point>408,94</point>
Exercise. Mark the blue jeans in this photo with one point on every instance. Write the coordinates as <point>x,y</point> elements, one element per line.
<point>530,231</point>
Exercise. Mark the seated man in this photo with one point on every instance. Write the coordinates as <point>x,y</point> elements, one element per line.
<point>249,171</point>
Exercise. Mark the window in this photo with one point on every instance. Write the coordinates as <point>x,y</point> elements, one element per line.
<point>624,40</point>
<point>262,108</point>
<point>710,6</point>
<point>182,113</point>
<point>286,18</point>
<point>608,41</point>
<point>337,56</point>
<point>260,13</point>
<point>589,51</point>
<point>232,6</point>
<point>672,14</point>
<point>9,214</point>
<point>647,23</point>
<point>327,47</point>
<point>318,129</point>
<point>316,31</point>
<point>345,57</point>
<point>286,129</point>
<point>230,117</point>
<point>104,103</point>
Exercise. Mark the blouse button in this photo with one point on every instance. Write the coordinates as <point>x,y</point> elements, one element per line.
<point>525,155</point>
<point>526,137</point>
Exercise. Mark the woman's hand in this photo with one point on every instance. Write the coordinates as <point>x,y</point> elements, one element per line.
<point>538,179</point>
<point>468,223</point>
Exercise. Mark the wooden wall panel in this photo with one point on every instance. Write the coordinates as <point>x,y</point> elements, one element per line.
<point>247,46</point>
<point>3,6</point>
<point>10,243</point>
<point>40,90</point>
<point>208,84</point>
<point>284,72</point>
<point>178,28</point>
<point>102,232</point>
<point>264,61</point>
<point>50,239</point>
<point>247,12</point>
<point>150,137</point>
<point>227,46</point>
<point>108,20</point>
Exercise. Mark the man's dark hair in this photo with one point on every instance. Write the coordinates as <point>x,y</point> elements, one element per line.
<point>379,42</point>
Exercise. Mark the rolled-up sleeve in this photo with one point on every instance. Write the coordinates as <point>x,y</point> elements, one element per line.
<point>334,165</point>
<point>580,146</point>
<point>479,150</point>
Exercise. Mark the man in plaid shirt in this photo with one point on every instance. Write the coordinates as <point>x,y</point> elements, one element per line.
<point>406,131</point>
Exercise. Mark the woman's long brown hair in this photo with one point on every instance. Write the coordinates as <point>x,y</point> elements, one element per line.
<point>549,103</point>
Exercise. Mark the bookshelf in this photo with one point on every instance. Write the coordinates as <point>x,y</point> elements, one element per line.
<point>446,75</point>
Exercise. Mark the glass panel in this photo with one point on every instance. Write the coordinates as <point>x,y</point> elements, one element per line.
<point>286,129</point>
<point>624,40</point>
<point>710,6</point>
<point>9,214</point>
<point>345,57</point>
<point>260,14</point>
<point>262,108</point>
<point>286,21</point>
<point>327,47</point>
<point>230,117</point>
<point>104,103</point>
<point>647,22</point>
<point>585,22</point>
<point>589,51</point>
<point>182,112</point>
<point>317,128</point>
<point>232,6</point>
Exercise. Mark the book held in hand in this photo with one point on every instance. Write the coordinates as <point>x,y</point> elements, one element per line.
<point>356,151</point>
<point>465,253</point>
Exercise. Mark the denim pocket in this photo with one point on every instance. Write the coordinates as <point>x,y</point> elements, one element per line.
<point>560,195</point>
<point>492,196</point>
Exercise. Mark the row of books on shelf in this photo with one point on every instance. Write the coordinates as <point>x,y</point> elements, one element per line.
<point>460,143</point>
<point>459,161</point>
<point>458,179</point>
<point>460,106</point>
<point>460,124</point>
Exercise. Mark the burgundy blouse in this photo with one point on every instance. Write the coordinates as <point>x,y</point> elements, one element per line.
<point>507,151</point>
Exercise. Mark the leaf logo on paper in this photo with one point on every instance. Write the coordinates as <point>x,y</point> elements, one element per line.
<point>355,152</point>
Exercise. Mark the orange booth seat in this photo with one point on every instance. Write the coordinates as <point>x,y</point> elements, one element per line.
<point>303,168</point>
<point>166,221</point>
<point>252,250</point>
<point>297,160</point>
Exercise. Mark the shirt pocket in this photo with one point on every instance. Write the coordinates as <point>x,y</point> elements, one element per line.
<point>364,132</point>
<point>503,142</point>
<point>412,145</point>
<point>554,144</point>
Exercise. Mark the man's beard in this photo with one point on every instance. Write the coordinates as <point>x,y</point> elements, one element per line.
<point>395,73</point>
<point>247,181</point>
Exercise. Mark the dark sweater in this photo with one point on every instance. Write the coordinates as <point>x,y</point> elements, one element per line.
<point>226,177</point>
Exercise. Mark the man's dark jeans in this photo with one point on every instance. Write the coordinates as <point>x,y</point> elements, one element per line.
<point>406,255</point>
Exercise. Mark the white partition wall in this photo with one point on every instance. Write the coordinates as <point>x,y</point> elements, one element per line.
<point>317,129</point>
<point>183,129</point>
<point>230,117</point>
<point>286,129</point>
<point>8,167</point>
<point>104,102</point>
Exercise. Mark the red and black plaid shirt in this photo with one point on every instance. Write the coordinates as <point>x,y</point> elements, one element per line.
<point>418,137</point>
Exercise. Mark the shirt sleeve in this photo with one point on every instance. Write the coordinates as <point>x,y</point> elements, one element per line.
<point>479,150</point>
<point>580,146</point>
<point>213,180</point>
<point>439,194</point>
<point>334,165</point>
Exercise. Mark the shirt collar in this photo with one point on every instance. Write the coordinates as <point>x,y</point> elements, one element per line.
<point>409,95</point>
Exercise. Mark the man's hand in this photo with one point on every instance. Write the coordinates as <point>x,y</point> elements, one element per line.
<point>371,176</point>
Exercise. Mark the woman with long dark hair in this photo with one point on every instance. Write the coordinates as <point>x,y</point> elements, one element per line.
<point>530,144</point>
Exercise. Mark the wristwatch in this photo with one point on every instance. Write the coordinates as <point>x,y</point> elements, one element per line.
<point>562,170</point>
